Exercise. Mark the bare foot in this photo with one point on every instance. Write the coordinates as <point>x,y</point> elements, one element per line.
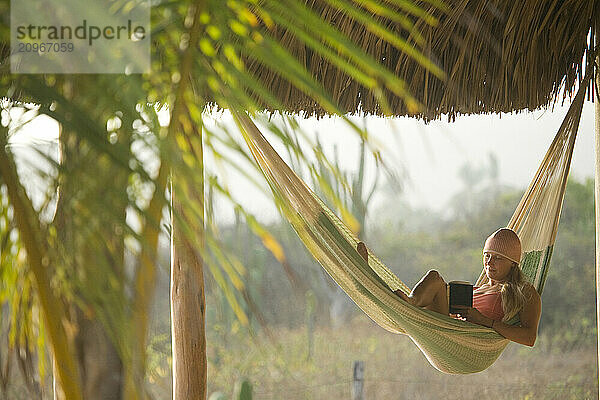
<point>362,250</point>
<point>404,296</point>
<point>364,253</point>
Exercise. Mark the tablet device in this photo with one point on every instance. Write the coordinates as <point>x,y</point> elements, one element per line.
<point>460,294</point>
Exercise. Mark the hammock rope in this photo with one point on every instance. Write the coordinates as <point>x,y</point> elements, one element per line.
<point>450,345</point>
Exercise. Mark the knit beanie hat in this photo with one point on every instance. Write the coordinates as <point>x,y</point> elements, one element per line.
<point>504,242</point>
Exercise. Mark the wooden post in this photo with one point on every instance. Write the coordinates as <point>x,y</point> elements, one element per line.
<point>188,341</point>
<point>358,380</point>
<point>597,201</point>
<point>187,307</point>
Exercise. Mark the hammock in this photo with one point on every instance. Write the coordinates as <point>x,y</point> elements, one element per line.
<point>450,345</point>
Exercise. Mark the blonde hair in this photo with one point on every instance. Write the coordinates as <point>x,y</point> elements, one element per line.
<point>513,292</point>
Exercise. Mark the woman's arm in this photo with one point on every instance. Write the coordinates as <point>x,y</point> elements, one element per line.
<point>526,333</point>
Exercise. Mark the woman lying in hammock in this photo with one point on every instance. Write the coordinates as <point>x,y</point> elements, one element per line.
<point>505,294</point>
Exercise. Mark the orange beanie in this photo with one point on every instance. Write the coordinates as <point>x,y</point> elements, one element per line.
<point>504,242</point>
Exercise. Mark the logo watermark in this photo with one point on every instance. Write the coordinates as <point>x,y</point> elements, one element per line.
<point>80,36</point>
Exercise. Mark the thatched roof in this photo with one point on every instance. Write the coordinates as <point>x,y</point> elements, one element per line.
<point>499,56</point>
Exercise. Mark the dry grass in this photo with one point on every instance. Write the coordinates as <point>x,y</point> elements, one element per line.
<point>394,369</point>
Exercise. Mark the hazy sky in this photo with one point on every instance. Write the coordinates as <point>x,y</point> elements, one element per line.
<point>431,154</point>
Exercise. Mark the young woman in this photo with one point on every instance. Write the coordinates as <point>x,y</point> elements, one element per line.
<point>505,294</point>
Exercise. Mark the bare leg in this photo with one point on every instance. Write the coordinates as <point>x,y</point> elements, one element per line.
<point>429,293</point>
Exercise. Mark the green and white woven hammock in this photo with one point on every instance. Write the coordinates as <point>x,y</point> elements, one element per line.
<point>450,345</point>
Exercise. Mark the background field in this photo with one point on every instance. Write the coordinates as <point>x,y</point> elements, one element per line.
<point>317,333</point>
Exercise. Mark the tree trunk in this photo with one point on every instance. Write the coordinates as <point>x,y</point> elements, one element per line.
<point>99,362</point>
<point>187,311</point>
<point>187,280</point>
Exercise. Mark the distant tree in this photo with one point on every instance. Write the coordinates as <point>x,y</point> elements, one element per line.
<point>569,299</point>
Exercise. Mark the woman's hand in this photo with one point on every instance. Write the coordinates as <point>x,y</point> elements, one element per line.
<point>473,315</point>
<point>524,333</point>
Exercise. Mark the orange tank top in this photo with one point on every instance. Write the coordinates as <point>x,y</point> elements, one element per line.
<point>489,304</point>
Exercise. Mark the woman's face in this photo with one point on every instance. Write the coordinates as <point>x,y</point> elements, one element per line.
<point>496,267</point>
